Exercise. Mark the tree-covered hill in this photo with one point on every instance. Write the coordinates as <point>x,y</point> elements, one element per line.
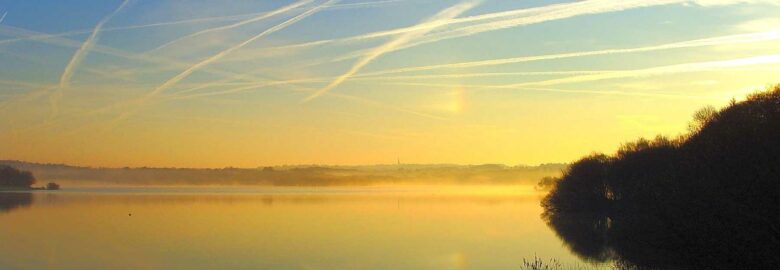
<point>707,200</point>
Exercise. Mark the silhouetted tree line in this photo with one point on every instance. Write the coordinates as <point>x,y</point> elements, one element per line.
<point>707,200</point>
<point>12,177</point>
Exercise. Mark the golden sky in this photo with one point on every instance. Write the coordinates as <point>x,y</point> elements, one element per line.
<point>256,83</point>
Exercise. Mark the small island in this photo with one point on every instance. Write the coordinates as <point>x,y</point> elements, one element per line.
<point>12,179</point>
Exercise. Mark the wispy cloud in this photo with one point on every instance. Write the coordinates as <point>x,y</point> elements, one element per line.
<point>471,25</point>
<point>579,90</point>
<point>119,53</point>
<point>238,24</point>
<point>430,26</point>
<point>654,71</point>
<point>184,74</point>
<point>183,95</point>
<point>226,18</point>
<point>78,56</point>
<point>713,41</point>
<point>41,36</point>
<point>431,30</point>
<point>20,83</point>
<point>646,72</point>
<point>392,44</point>
<point>505,19</point>
<point>479,74</point>
<point>555,12</point>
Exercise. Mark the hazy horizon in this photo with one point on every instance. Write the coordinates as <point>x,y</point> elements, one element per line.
<point>357,165</point>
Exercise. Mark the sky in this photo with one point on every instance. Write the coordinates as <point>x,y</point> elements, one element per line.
<point>256,83</point>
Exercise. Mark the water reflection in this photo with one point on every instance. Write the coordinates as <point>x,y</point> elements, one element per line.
<point>641,241</point>
<point>10,201</point>
<point>316,230</point>
<point>586,235</point>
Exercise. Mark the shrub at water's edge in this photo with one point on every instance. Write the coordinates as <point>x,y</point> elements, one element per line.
<point>710,199</point>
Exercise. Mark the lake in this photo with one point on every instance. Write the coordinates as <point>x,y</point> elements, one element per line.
<point>276,228</point>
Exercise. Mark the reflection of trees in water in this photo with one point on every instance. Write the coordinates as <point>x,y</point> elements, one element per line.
<point>12,200</point>
<point>633,241</point>
<point>708,200</point>
<point>584,234</point>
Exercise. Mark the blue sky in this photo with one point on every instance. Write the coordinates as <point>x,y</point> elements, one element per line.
<point>249,83</point>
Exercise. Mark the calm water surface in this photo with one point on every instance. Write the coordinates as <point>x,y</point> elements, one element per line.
<point>276,228</point>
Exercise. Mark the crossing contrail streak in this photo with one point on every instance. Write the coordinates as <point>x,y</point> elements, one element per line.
<point>509,19</point>
<point>555,90</point>
<point>653,71</point>
<point>391,45</point>
<point>78,56</point>
<point>306,90</point>
<point>238,24</point>
<point>227,51</point>
<point>671,69</point>
<point>65,42</point>
<point>67,73</point>
<point>184,74</point>
<point>191,21</point>
<point>714,41</point>
<point>467,26</point>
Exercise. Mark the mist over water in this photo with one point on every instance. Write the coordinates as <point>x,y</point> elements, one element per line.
<point>432,227</point>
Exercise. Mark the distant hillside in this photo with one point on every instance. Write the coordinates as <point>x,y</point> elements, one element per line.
<point>310,175</point>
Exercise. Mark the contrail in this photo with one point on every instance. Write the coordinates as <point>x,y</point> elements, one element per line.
<point>391,45</point>
<point>59,41</point>
<point>20,83</point>
<point>244,22</point>
<point>481,74</point>
<point>508,20</point>
<point>250,86</point>
<point>654,71</point>
<point>184,74</point>
<point>67,73</point>
<point>500,20</point>
<point>671,69</point>
<point>568,11</point>
<point>443,22</point>
<point>713,41</point>
<point>543,14</point>
<point>539,89</point>
<point>65,42</point>
<point>423,27</point>
<point>307,90</point>
<point>192,21</point>
<point>246,88</point>
<point>130,27</point>
<point>3,17</point>
<point>253,86</point>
